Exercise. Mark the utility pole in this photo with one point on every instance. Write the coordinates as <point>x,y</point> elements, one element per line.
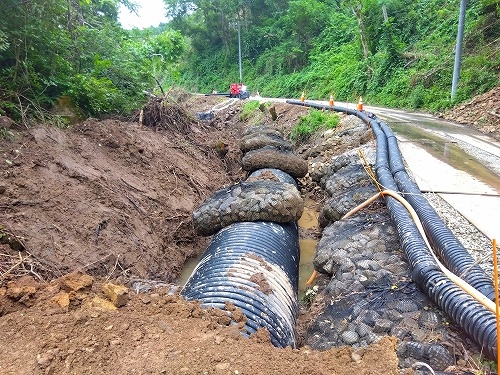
<point>458,49</point>
<point>239,51</point>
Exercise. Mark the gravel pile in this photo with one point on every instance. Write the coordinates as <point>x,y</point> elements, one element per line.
<point>482,112</point>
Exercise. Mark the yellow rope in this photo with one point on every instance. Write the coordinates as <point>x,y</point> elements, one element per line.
<point>369,170</point>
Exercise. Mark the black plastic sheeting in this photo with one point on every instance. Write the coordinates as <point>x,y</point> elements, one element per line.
<point>254,266</point>
<point>476,321</point>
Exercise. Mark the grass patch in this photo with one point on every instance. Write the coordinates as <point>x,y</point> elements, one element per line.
<point>315,120</point>
<point>7,135</point>
<point>248,109</point>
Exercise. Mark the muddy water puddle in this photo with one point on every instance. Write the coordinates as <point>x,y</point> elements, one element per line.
<point>188,269</point>
<point>309,220</point>
<point>445,150</point>
<point>306,267</point>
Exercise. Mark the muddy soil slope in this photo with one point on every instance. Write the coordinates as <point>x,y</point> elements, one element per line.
<point>111,198</point>
<point>482,112</point>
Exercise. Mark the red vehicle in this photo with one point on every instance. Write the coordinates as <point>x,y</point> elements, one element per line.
<point>238,90</point>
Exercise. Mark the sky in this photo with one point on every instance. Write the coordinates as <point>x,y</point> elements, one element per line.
<point>150,13</point>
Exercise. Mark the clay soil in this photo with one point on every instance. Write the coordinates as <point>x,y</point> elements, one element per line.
<point>88,210</point>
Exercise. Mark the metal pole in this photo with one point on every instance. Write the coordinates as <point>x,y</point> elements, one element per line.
<point>239,52</point>
<point>458,49</point>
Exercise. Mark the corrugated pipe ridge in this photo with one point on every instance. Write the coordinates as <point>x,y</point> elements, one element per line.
<point>453,254</point>
<point>254,266</point>
<point>476,321</point>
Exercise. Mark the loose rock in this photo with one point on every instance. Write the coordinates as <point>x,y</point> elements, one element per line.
<point>117,294</point>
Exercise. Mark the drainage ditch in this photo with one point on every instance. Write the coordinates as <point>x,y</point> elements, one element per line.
<point>369,288</point>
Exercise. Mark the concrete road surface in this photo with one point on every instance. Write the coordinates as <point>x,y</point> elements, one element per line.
<point>455,161</point>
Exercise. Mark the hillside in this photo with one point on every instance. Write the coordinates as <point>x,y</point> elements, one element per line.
<point>394,54</point>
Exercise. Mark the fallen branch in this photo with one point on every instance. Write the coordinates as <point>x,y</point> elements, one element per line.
<point>131,186</point>
<point>113,269</point>
<point>4,275</point>
<point>159,85</point>
<point>95,262</point>
<point>140,209</point>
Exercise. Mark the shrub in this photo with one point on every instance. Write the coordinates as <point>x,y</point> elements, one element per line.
<point>315,120</point>
<point>94,95</point>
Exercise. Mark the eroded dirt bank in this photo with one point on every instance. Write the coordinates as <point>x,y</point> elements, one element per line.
<point>482,112</point>
<point>110,198</point>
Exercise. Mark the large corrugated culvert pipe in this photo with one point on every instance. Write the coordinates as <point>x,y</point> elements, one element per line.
<point>253,265</point>
<point>476,321</point>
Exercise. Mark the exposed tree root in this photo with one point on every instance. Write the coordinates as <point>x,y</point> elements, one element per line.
<point>160,114</point>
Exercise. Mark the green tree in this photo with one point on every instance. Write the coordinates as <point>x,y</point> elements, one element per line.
<point>77,48</point>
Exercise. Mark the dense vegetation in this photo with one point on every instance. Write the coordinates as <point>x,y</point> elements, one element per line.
<point>392,52</point>
<point>75,53</point>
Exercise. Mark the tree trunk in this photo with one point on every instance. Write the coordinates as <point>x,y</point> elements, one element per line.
<point>357,13</point>
<point>384,13</point>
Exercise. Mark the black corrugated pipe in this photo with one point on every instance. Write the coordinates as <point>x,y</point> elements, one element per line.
<point>453,254</point>
<point>255,266</point>
<point>476,321</point>
<point>363,115</point>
